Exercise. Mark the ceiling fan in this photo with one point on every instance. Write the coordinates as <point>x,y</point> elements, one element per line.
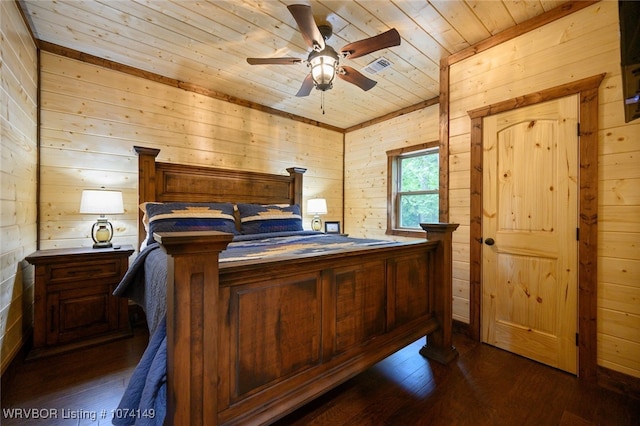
<point>323,60</point>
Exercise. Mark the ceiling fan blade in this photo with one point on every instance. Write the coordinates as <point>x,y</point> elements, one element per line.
<point>355,77</point>
<point>360,48</point>
<point>274,61</point>
<point>310,32</point>
<point>306,87</point>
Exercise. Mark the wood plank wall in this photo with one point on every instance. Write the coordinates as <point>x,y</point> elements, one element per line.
<point>93,116</point>
<point>366,187</point>
<point>581,45</point>
<point>366,167</point>
<point>18,178</point>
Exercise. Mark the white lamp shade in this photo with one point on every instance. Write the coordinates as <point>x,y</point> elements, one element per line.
<point>101,202</point>
<point>317,206</point>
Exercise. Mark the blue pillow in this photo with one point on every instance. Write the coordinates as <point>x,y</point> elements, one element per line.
<point>258,219</point>
<point>179,217</point>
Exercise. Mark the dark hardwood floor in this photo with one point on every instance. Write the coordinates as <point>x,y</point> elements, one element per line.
<point>485,386</point>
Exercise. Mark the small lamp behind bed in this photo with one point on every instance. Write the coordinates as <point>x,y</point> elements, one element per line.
<point>317,206</point>
<point>101,202</point>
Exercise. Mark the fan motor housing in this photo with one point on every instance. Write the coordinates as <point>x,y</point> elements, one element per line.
<point>326,30</point>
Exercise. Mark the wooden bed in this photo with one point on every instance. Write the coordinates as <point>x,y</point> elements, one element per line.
<point>334,315</point>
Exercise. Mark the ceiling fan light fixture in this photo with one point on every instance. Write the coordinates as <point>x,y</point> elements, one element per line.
<point>324,65</point>
<point>323,60</point>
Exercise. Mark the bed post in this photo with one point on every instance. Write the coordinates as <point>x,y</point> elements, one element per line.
<point>439,345</point>
<point>192,325</point>
<point>296,173</point>
<point>146,181</point>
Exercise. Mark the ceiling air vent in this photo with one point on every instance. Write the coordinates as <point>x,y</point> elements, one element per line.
<point>377,65</point>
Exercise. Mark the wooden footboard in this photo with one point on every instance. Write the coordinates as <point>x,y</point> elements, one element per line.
<point>284,332</point>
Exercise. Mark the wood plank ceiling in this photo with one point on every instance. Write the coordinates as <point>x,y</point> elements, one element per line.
<point>206,43</point>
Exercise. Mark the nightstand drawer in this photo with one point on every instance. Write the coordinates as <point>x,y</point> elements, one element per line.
<point>96,270</point>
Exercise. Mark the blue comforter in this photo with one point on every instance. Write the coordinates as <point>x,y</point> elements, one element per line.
<point>145,400</point>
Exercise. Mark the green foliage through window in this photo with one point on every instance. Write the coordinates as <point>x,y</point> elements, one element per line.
<point>418,189</point>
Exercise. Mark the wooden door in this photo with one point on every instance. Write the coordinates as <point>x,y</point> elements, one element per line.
<point>530,221</point>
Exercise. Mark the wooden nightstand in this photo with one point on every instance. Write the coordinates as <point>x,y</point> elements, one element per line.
<point>73,301</point>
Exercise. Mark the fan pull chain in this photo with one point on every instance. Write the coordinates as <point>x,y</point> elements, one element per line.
<point>322,101</point>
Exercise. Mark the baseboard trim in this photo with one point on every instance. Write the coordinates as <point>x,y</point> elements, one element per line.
<point>461,327</point>
<point>619,382</point>
<point>18,355</point>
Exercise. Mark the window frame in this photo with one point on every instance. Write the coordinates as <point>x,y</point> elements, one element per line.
<point>393,185</point>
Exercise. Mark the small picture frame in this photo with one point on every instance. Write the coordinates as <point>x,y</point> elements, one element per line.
<point>332,227</point>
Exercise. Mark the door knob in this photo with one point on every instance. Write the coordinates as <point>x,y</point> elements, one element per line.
<point>489,241</point>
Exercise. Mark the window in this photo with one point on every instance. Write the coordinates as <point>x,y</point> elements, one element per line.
<point>413,188</point>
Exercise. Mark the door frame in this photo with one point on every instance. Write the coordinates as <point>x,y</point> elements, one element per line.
<point>587,90</point>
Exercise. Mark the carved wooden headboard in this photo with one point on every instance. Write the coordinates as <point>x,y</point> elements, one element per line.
<point>163,182</point>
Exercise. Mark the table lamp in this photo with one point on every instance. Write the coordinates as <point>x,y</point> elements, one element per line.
<point>317,206</point>
<point>101,202</point>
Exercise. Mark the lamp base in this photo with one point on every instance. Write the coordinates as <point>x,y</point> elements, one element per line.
<point>100,245</point>
<point>316,223</point>
<point>101,233</point>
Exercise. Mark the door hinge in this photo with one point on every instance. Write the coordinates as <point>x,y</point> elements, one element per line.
<point>577,234</point>
<point>578,128</point>
<point>577,339</point>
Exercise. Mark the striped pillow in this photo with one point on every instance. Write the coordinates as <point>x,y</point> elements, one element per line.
<point>179,217</point>
<point>257,219</point>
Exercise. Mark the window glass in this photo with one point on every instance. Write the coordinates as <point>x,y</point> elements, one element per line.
<point>417,209</point>
<point>414,188</point>
<point>418,189</point>
<point>420,172</point>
